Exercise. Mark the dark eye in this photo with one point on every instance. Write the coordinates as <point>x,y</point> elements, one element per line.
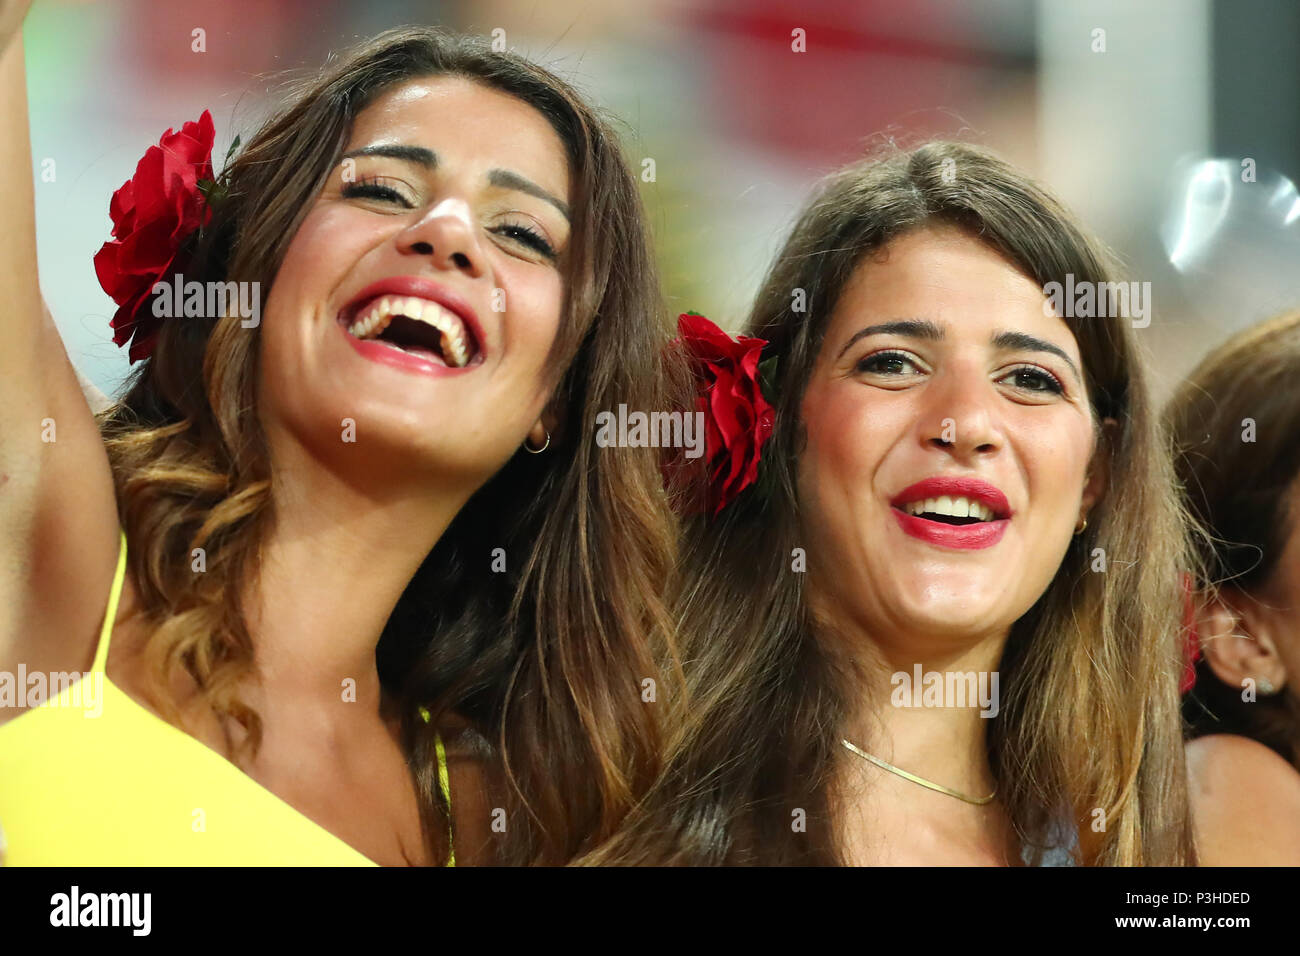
<point>1030,378</point>
<point>885,363</point>
<point>372,188</point>
<point>529,237</point>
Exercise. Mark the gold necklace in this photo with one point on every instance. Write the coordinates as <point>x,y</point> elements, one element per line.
<point>928,784</point>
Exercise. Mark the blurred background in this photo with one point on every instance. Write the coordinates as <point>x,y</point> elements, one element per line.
<point>1172,127</point>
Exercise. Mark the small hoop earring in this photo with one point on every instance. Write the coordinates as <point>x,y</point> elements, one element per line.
<point>537,451</point>
<point>1080,529</point>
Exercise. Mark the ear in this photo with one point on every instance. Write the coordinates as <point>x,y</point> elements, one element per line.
<point>1237,641</point>
<point>1098,478</point>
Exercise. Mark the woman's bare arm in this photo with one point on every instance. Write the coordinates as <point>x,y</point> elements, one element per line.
<point>58,517</point>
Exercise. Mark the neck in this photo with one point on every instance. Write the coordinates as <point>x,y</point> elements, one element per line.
<point>883,817</point>
<point>926,708</point>
<point>337,558</point>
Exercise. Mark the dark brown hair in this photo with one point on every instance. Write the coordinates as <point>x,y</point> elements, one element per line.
<point>1089,674</point>
<point>1238,491</point>
<point>545,659</point>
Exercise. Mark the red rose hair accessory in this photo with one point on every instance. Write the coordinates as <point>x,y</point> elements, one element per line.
<point>738,420</point>
<point>154,213</point>
<point>1191,639</point>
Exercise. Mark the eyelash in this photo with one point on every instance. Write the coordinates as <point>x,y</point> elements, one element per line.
<point>529,237</point>
<point>373,189</point>
<point>1051,383</point>
<point>865,363</point>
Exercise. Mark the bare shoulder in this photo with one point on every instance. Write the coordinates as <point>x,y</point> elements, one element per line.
<point>1238,758</point>
<point>1245,803</point>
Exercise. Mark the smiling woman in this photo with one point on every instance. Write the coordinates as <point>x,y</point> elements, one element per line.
<point>368,559</point>
<point>963,490</point>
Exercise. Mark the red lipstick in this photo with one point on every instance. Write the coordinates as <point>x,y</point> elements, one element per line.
<point>420,288</point>
<point>975,536</point>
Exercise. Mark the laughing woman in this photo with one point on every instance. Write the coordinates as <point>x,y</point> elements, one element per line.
<point>960,481</point>
<point>358,558</point>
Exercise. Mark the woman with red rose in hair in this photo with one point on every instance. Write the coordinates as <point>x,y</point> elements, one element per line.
<point>342,580</point>
<point>961,485</point>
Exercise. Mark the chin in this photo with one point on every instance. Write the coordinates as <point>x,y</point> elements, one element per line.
<point>940,622</point>
<point>949,607</point>
<point>391,439</point>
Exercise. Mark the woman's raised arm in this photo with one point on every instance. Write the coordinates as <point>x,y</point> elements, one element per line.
<point>19,289</point>
<point>58,517</point>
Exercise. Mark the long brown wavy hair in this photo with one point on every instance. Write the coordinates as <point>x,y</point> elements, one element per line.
<point>546,660</point>
<point>1239,492</point>
<point>1089,676</point>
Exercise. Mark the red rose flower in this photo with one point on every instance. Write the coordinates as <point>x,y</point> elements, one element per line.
<point>738,420</point>
<point>153,214</point>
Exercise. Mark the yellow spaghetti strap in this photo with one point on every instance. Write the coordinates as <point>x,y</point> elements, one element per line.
<point>106,629</point>
<point>444,784</point>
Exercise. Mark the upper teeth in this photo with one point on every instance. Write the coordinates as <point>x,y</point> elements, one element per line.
<point>379,314</point>
<point>957,507</point>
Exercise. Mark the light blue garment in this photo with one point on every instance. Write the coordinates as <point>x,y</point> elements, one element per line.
<point>1058,856</point>
<point>1060,852</point>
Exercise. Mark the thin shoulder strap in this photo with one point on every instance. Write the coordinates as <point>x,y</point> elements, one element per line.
<point>444,784</point>
<point>106,630</point>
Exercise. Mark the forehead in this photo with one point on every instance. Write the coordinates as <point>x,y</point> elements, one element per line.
<point>949,277</point>
<point>467,124</point>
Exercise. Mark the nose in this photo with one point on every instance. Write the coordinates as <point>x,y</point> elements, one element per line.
<point>447,236</point>
<point>962,414</point>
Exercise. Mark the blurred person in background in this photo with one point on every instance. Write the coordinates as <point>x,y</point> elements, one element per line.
<point>1235,425</point>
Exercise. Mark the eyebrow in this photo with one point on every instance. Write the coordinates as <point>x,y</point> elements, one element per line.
<point>503,178</point>
<point>930,332</point>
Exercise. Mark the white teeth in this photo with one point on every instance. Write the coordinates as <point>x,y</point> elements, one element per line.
<point>946,505</point>
<point>379,314</point>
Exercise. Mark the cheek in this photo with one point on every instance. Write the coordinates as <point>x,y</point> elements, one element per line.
<point>533,299</point>
<point>308,252</point>
<point>1055,456</point>
<point>849,431</point>
<point>331,242</point>
<point>328,246</point>
<point>846,439</point>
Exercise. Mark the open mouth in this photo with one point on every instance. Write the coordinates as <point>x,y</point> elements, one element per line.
<point>416,326</point>
<point>950,510</point>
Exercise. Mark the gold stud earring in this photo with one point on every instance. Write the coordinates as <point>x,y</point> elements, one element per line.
<point>1082,525</point>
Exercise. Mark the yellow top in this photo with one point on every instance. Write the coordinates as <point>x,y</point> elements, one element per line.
<point>92,778</point>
